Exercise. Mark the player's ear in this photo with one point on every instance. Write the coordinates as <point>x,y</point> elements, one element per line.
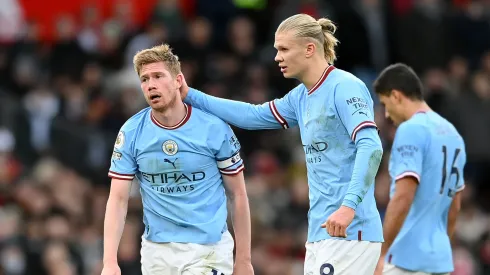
<point>179,79</point>
<point>397,96</point>
<point>310,49</point>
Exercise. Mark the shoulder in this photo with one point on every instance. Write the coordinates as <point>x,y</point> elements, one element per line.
<point>297,91</point>
<point>341,77</point>
<point>206,119</point>
<point>135,121</point>
<point>129,128</point>
<point>347,85</point>
<point>445,127</point>
<point>414,128</point>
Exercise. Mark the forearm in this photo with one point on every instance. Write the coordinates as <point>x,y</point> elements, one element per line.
<point>240,114</point>
<point>396,214</point>
<point>451,224</point>
<point>368,157</point>
<point>115,218</point>
<point>453,215</point>
<point>242,226</point>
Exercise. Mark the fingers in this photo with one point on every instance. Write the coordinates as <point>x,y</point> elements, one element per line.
<point>335,229</point>
<point>343,233</point>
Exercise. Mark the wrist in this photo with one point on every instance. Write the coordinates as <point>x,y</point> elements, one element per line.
<point>109,261</point>
<point>348,204</point>
<point>351,201</point>
<point>348,208</point>
<point>243,258</point>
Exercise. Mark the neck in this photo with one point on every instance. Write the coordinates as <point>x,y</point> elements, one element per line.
<point>413,107</point>
<point>314,72</point>
<point>172,115</point>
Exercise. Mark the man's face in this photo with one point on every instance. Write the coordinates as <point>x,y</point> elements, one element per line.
<point>160,88</point>
<point>290,54</point>
<point>393,108</point>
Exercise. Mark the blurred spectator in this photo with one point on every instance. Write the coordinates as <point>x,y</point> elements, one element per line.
<point>62,104</point>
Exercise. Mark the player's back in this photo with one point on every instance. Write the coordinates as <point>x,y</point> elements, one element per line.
<point>429,148</point>
<point>179,169</point>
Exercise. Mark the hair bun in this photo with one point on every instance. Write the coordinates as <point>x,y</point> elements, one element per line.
<point>327,25</point>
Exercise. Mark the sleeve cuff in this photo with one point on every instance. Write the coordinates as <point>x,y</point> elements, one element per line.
<point>361,126</point>
<point>232,172</point>
<point>350,201</point>
<point>461,188</point>
<point>120,176</point>
<point>408,174</point>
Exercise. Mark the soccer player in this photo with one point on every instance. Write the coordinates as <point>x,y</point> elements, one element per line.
<point>334,112</point>
<point>185,160</point>
<point>426,167</point>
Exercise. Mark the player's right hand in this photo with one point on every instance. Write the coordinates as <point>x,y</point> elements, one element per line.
<point>184,89</point>
<point>112,269</point>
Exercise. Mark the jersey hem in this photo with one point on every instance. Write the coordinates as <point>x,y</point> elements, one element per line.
<point>430,271</point>
<point>345,239</point>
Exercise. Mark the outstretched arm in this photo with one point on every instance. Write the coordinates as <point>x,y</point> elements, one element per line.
<point>355,108</point>
<point>276,114</point>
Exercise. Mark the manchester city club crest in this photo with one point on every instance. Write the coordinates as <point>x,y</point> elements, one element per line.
<point>170,147</point>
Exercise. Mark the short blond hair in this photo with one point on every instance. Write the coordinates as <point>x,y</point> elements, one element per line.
<point>161,53</point>
<point>321,31</point>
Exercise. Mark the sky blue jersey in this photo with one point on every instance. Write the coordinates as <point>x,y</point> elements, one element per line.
<point>179,170</point>
<point>428,148</point>
<point>340,141</point>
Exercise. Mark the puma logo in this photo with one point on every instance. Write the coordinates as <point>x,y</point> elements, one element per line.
<point>171,162</point>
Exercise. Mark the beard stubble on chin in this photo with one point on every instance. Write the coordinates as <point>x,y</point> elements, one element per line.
<point>163,107</point>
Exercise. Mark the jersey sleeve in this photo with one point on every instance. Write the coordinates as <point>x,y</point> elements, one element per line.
<point>354,106</point>
<point>408,151</point>
<point>123,164</point>
<point>276,114</point>
<point>227,151</point>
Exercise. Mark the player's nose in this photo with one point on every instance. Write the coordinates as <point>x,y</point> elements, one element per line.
<point>278,58</point>
<point>151,84</point>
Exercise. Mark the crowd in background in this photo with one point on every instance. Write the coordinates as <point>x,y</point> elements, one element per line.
<point>63,101</point>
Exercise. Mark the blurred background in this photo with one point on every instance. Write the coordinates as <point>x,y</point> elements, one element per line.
<point>67,85</point>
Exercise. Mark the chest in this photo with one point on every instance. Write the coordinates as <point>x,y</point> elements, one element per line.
<point>157,153</point>
<point>319,120</point>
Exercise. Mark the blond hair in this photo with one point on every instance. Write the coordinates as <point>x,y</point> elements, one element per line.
<point>321,31</point>
<point>161,53</point>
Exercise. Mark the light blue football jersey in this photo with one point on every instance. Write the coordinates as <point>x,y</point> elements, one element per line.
<point>429,148</point>
<point>329,117</point>
<point>179,170</point>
